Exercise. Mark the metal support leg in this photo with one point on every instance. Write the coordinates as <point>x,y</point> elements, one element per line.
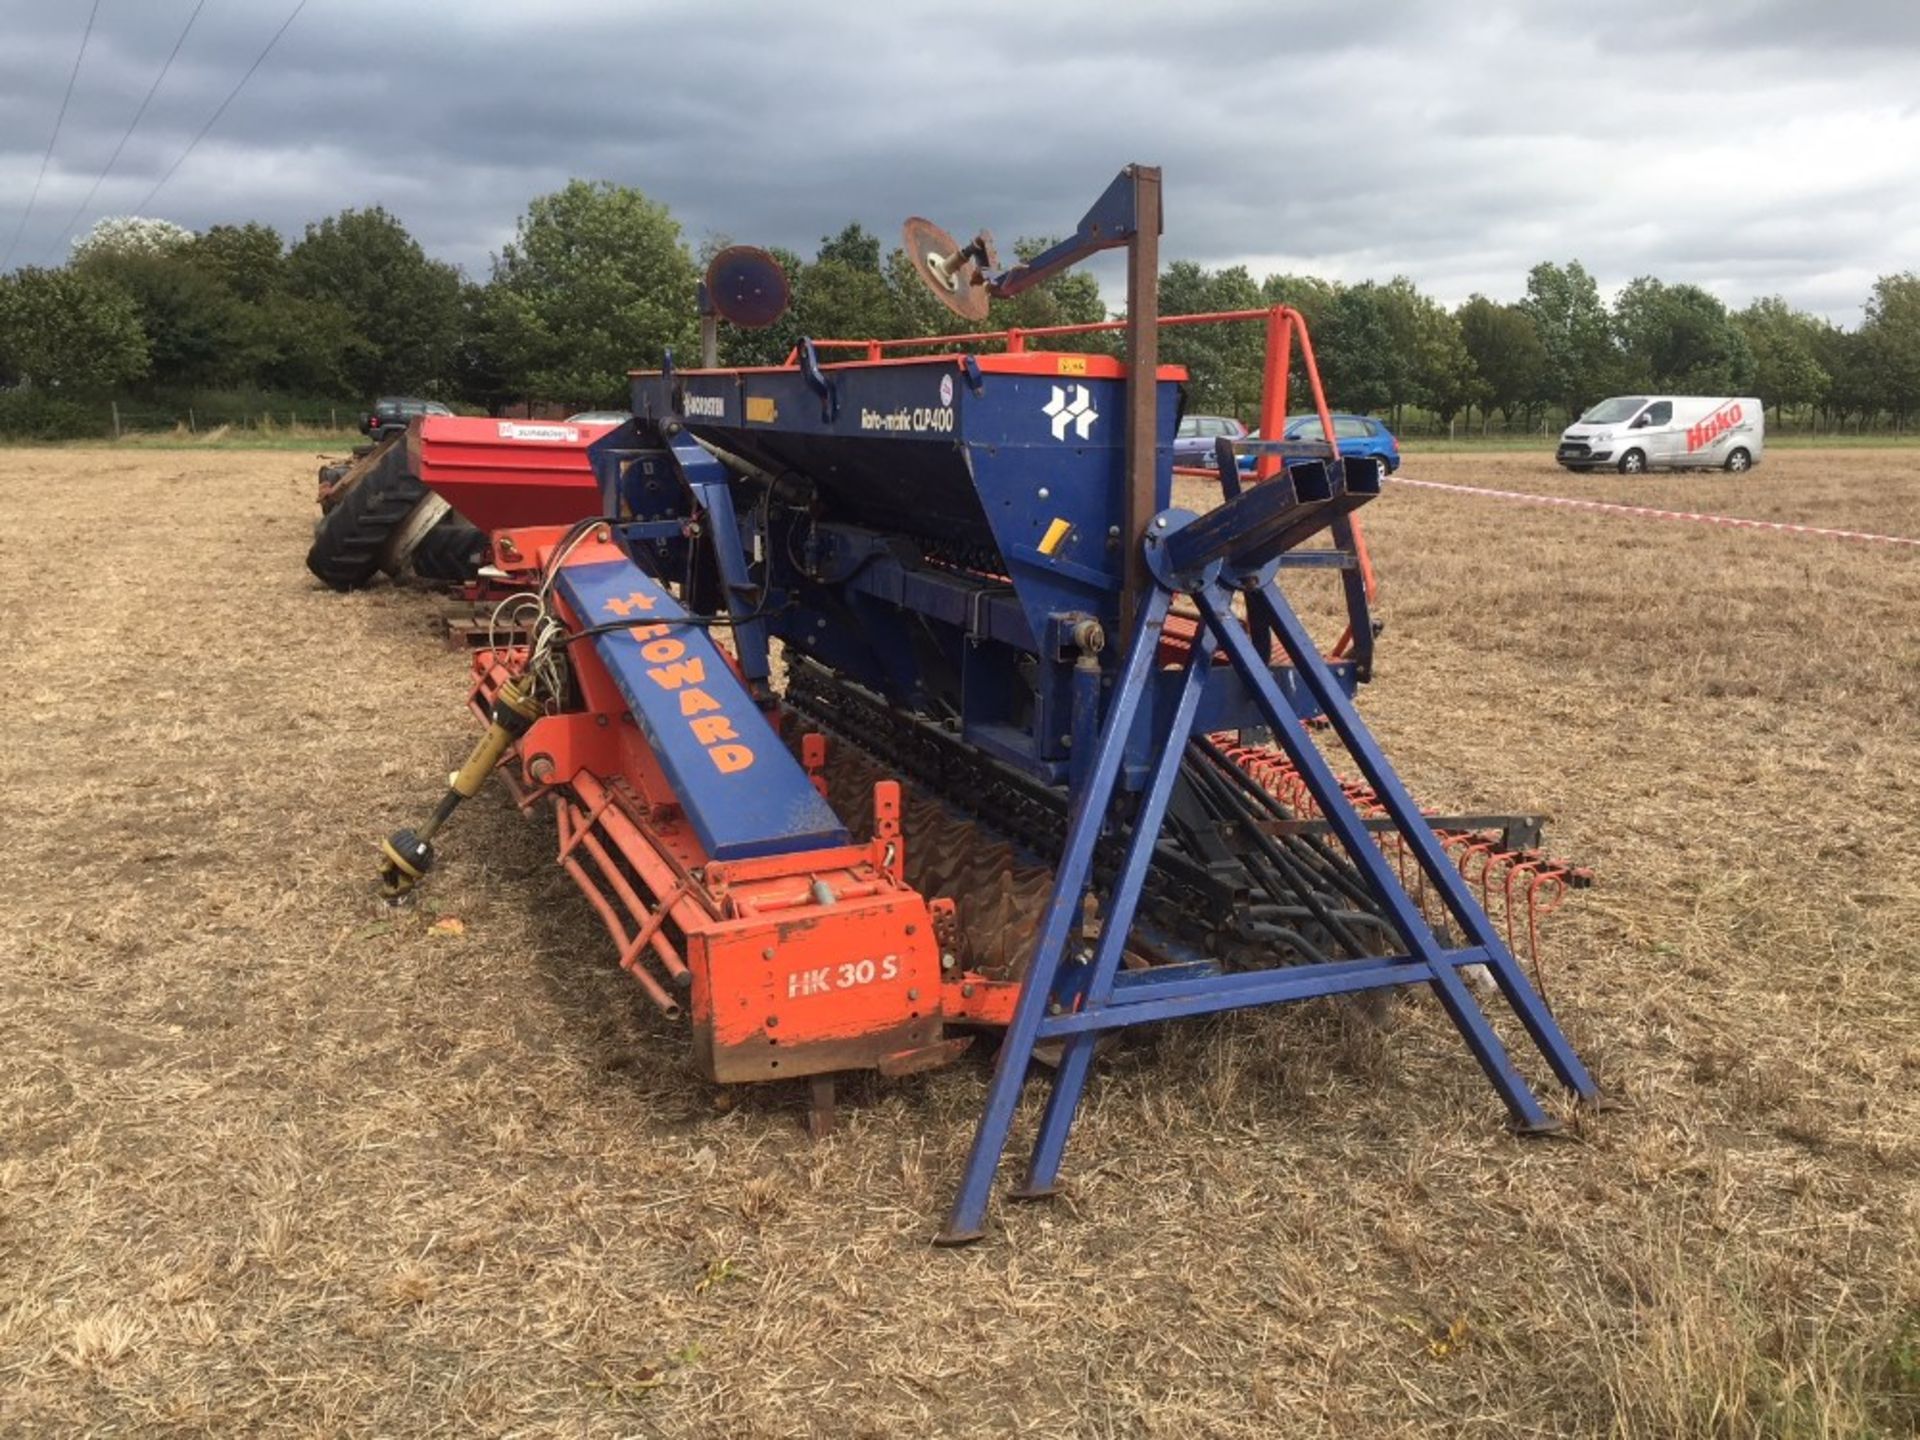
<point>1056,927</point>
<point>715,502</point>
<point>1095,988</point>
<point>820,1107</point>
<point>1143,387</point>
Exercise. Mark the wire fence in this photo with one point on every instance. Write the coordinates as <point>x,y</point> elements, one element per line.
<point>119,418</point>
<point>38,415</point>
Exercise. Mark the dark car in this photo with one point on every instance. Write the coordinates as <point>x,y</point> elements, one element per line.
<point>391,413</point>
<point>1193,441</point>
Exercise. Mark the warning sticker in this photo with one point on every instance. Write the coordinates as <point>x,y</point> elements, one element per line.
<point>510,431</point>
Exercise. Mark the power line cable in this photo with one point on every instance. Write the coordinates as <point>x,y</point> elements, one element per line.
<point>132,125</point>
<point>59,120</point>
<point>231,94</point>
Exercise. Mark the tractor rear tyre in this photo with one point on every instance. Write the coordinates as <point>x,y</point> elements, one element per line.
<point>452,551</point>
<point>347,548</point>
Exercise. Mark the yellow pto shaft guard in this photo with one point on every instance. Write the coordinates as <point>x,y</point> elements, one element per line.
<point>406,855</point>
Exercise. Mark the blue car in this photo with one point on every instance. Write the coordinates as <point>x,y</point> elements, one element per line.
<point>1356,434</point>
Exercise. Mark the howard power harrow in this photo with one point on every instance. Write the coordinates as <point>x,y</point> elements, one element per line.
<point>1040,753</point>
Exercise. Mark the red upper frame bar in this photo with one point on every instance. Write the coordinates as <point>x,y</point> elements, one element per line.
<point>1024,362</point>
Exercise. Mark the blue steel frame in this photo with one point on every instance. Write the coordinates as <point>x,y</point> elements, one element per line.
<point>980,458</point>
<point>1076,997</point>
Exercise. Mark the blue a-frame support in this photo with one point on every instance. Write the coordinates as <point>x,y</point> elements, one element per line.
<point>1071,996</point>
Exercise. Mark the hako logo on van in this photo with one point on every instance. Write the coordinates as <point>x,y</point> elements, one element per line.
<point>711,407</point>
<point>1715,425</point>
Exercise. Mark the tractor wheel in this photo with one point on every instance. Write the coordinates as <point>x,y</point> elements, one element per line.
<point>1634,462</point>
<point>452,550</point>
<point>1738,461</point>
<point>330,478</point>
<point>337,479</point>
<point>349,547</point>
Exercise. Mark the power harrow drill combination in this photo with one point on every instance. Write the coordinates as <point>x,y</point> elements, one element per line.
<point>1039,753</point>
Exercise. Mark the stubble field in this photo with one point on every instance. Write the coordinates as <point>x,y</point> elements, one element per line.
<point>273,1161</point>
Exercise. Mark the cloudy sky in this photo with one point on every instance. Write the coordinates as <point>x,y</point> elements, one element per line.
<point>1751,146</point>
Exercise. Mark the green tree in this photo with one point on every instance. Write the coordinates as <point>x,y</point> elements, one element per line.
<point>1430,365</point>
<point>197,331</point>
<point>1785,346</point>
<point>1224,362</point>
<point>1309,294</point>
<point>70,331</point>
<point>247,258</point>
<point>1890,343</point>
<point>1357,361</point>
<point>1564,305</point>
<point>1851,388</point>
<point>405,308</point>
<point>1679,337</point>
<point>483,356</point>
<point>302,346</point>
<point>1509,362</point>
<point>597,282</point>
<point>855,247</point>
<point>833,300</point>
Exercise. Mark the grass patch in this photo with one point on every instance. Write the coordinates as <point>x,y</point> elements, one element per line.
<point>219,437</point>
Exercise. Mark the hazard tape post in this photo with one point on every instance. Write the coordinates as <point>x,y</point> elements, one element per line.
<point>1647,512</point>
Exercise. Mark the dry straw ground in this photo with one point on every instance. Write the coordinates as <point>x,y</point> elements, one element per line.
<point>273,1163</point>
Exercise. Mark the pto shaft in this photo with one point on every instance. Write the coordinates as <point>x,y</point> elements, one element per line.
<point>406,855</point>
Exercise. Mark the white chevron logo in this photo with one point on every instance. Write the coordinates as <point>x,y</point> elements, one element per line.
<point>1078,412</point>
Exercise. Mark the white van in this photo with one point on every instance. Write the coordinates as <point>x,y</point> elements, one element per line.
<point>1634,433</point>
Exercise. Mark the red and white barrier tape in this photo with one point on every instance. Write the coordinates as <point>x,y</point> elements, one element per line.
<point>1646,512</point>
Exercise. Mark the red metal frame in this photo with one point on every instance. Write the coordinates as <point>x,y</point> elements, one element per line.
<point>804,963</point>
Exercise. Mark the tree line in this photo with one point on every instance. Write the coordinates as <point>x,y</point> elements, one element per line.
<point>599,279</point>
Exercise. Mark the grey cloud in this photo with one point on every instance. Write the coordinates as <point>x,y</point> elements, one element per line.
<point>1746,146</point>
